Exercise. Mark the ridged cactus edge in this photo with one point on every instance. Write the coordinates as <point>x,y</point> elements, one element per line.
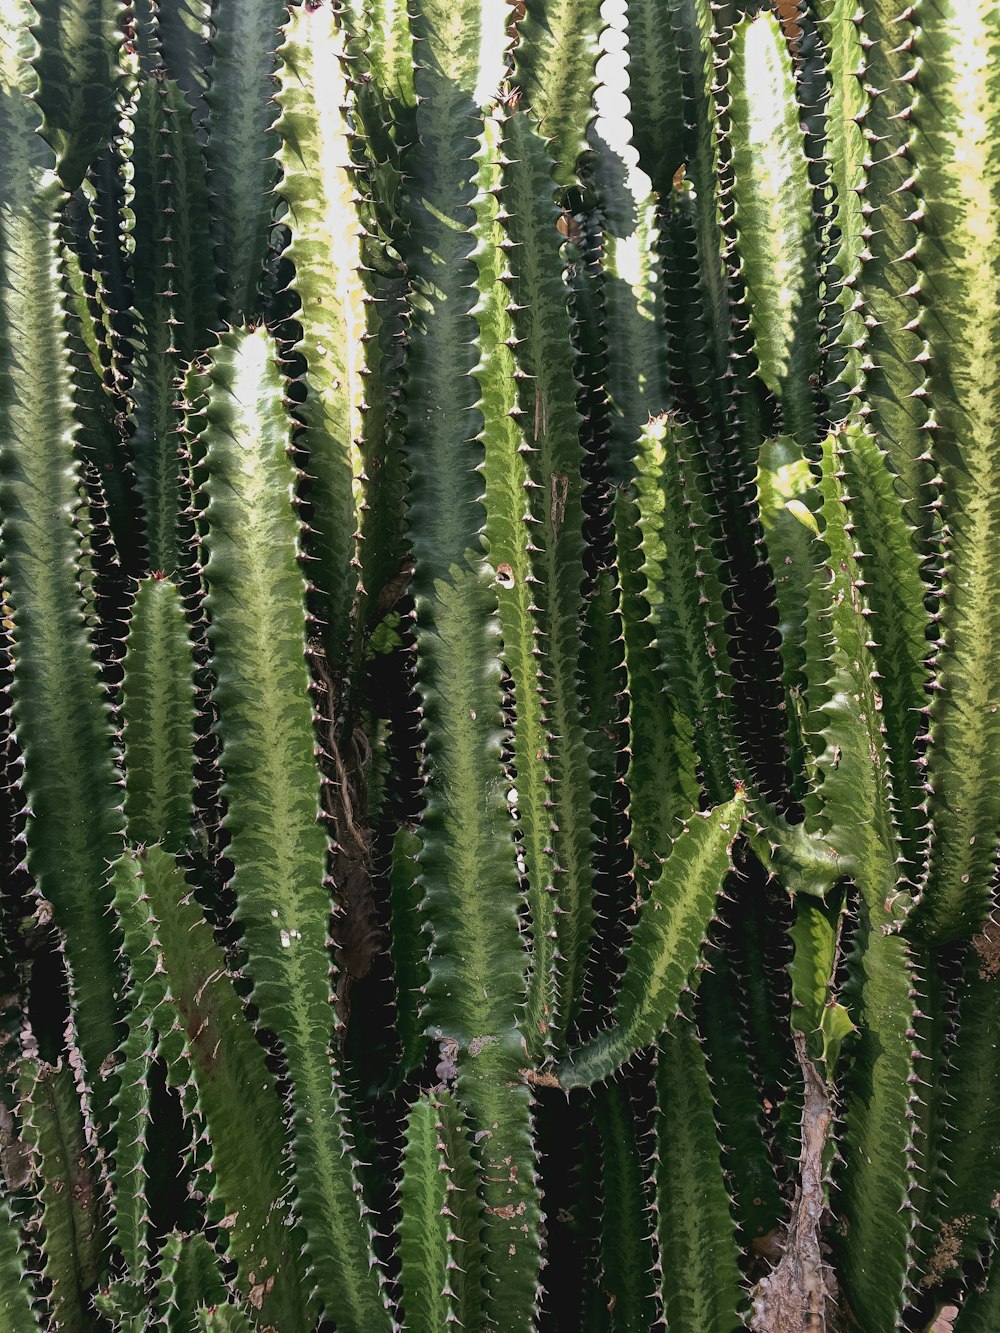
<point>498,700</point>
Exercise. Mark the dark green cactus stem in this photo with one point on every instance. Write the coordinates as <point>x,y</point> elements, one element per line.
<point>654,91</point>
<point>60,709</point>
<point>547,416</point>
<point>68,1190</point>
<point>478,962</point>
<point>960,185</point>
<point>222,1319</point>
<point>626,1248</point>
<point>890,280</point>
<point>698,1273</point>
<point>439,1237</point>
<point>662,778</point>
<point>666,941</point>
<point>189,1280</point>
<point>182,31</point>
<point>966,1205</point>
<point>81,74</point>
<point>158,710</point>
<point>241,146</point>
<point>15,1292</point>
<point>180,993</point>
<point>172,280</point>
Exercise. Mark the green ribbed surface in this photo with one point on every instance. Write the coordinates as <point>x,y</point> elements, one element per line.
<point>254,602</point>
<point>498,707</point>
<point>60,708</point>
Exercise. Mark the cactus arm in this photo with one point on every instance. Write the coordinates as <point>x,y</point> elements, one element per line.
<point>81,78</point>
<point>555,66</point>
<point>815,937</point>
<point>59,707</point>
<point>692,24</point>
<point>684,591</point>
<point>133,1115</point>
<point>181,990</point>
<point>626,1248</point>
<point>550,441</point>
<point>666,941</point>
<point>699,1277</point>
<point>980,1311</point>
<point>654,78</point>
<point>16,1313</point>
<point>241,142</point>
<point>878,1175</point>
<point>510,532</point>
<point>439,1246</point>
<point>739,1085</point>
<point>717,384</point>
<point>158,709</point>
<point>846,151</point>
<point>174,182</point>
<point>88,335</point>
<point>895,592</point>
<point>890,281</point>
<point>189,1278</point>
<point>183,30</point>
<point>784,495</point>
<point>70,1199</point>
<point>960,252</point>
<point>852,776</point>
<point>661,778</point>
<point>478,963</point>
<point>774,223</point>
<point>100,444</point>
<point>409,951</point>
<point>103,248</point>
<point>257,631</point>
<point>327,235</point>
<point>604,680</point>
<point>637,383</point>
<point>854,786</point>
<point>971,1095</point>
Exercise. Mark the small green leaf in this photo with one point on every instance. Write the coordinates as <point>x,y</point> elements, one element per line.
<point>836,1027</point>
<point>804,515</point>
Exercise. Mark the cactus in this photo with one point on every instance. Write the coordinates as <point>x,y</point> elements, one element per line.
<point>500,734</point>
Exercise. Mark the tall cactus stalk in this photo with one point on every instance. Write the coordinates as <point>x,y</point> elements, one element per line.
<point>498,637</point>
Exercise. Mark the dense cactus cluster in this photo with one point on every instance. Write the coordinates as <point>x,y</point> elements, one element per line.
<point>498,665</point>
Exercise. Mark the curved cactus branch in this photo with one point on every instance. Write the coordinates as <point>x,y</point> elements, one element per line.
<point>666,941</point>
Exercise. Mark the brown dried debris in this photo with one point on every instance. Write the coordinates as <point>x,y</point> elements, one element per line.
<point>793,1297</point>
<point>987,947</point>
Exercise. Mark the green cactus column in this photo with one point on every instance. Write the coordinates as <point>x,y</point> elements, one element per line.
<point>478,962</point>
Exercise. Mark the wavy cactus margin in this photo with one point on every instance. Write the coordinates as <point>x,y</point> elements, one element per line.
<point>498,635</point>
